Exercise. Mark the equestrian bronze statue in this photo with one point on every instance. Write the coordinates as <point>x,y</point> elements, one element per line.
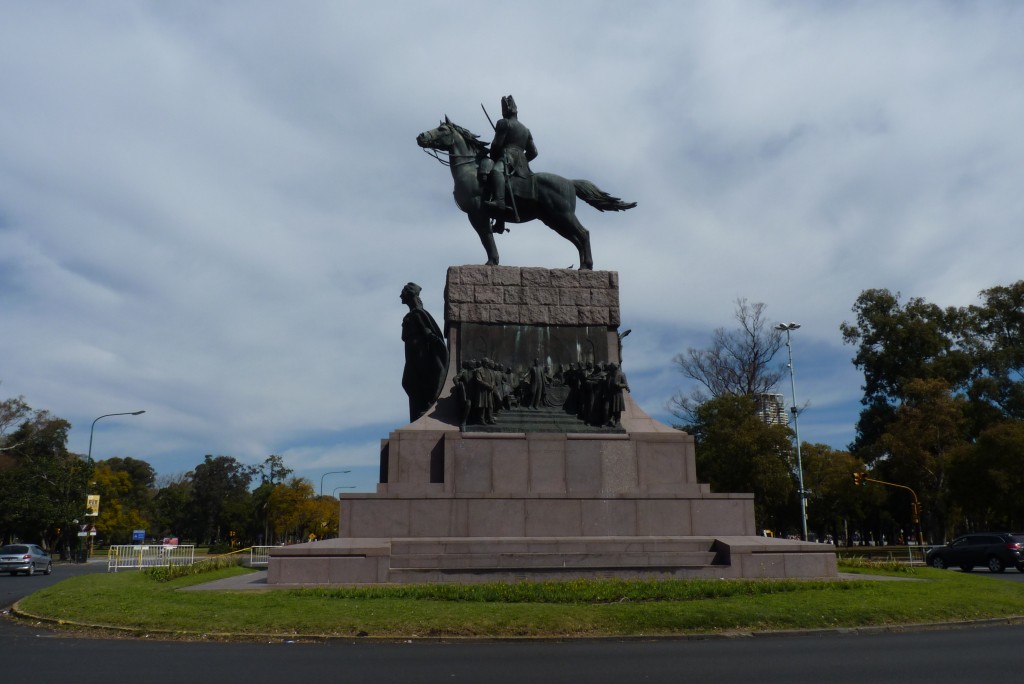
<point>495,188</point>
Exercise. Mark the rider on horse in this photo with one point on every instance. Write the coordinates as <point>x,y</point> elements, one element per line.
<point>512,150</point>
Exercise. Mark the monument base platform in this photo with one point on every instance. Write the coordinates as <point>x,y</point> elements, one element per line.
<point>507,559</point>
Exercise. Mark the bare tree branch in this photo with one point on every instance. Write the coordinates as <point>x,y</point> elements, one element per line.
<point>738,361</point>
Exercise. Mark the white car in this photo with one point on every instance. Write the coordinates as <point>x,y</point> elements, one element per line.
<point>26,558</point>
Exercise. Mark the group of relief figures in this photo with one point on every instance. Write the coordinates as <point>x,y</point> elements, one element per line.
<point>594,393</point>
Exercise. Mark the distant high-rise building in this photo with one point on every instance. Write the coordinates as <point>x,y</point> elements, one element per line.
<point>771,409</point>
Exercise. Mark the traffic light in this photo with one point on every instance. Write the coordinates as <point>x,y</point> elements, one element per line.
<point>916,512</point>
<point>858,479</point>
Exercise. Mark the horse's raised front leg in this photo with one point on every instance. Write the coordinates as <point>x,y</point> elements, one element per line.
<point>482,225</point>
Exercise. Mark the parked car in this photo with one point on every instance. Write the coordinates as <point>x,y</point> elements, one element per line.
<point>995,550</point>
<point>26,558</point>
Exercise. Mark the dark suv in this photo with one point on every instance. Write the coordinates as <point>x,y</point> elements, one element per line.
<point>995,550</point>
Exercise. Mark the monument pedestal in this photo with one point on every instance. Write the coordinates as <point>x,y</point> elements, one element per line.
<point>535,499</point>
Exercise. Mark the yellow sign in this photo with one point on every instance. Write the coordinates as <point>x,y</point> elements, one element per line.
<point>92,504</point>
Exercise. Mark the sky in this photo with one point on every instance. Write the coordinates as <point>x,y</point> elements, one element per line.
<point>208,209</point>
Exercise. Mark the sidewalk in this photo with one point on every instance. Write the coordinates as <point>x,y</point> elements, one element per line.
<point>250,580</point>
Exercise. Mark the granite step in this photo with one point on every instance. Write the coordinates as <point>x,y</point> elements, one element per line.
<point>545,419</point>
<point>550,553</point>
<point>524,561</point>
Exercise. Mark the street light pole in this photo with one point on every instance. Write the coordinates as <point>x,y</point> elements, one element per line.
<point>92,430</point>
<point>333,472</point>
<point>789,327</point>
<point>107,415</point>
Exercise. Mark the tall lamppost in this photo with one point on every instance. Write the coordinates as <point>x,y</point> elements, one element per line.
<point>789,327</point>
<point>93,430</point>
<point>333,472</point>
<point>107,415</point>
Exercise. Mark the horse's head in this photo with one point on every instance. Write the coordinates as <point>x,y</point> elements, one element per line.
<point>440,138</point>
<point>453,139</point>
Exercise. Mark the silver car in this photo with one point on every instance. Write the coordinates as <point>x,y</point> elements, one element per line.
<point>26,558</point>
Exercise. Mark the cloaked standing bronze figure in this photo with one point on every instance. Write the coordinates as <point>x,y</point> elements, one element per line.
<point>507,179</point>
<point>426,354</point>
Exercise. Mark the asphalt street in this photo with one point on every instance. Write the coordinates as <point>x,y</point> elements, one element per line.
<point>959,654</point>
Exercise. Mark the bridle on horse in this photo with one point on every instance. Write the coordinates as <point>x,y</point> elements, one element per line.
<point>434,152</point>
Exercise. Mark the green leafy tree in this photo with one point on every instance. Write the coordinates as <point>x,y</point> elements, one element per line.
<point>13,412</point>
<point>272,473</point>
<point>171,514</point>
<point>994,334</point>
<point>986,479</point>
<point>220,498</point>
<point>273,470</point>
<point>919,443</point>
<point>738,452</point>
<point>834,504</point>
<point>42,485</point>
<point>897,344</point>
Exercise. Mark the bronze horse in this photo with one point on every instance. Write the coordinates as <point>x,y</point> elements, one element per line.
<point>554,202</point>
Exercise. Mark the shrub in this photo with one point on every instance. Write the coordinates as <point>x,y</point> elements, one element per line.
<point>169,572</point>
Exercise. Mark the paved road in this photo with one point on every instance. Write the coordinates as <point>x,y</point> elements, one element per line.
<point>974,654</point>
<point>968,654</point>
<point>1011,575</point>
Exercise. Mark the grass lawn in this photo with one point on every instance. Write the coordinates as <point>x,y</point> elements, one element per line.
<point>137,601</point>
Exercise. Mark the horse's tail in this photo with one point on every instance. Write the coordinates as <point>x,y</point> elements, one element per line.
<point>599,199</point>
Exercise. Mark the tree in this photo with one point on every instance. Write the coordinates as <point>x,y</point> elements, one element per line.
<point>42,485</point>
<point>273,470</point>
<point>941,386</point>
<point>220,499</point>
<point>897,344</point>
<point>171,515</point>
<point>128,483</point>
<point>298,512</point>
<point>833,503</point>
<point>120,513</point>
<point>738,362</point>
<point>994,334</point>
<point>738,452</point>
<point>13,412</point>
<point>917,446</point>
<point>272,473</point>
<point>987,477</point>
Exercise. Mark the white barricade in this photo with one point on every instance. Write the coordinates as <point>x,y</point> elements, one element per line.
<point>259,555</point>
<point>149,556</point>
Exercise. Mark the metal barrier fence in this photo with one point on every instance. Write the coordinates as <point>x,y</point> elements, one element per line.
<point>259,555</point>
<point>136,556</point>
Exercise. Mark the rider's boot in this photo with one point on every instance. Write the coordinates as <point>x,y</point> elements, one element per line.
<point>497,201</point>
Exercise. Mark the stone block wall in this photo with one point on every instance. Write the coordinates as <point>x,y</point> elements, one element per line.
<point>531,296</point>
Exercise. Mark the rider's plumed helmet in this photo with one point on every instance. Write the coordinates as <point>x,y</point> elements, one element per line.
<point>508,107</point>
